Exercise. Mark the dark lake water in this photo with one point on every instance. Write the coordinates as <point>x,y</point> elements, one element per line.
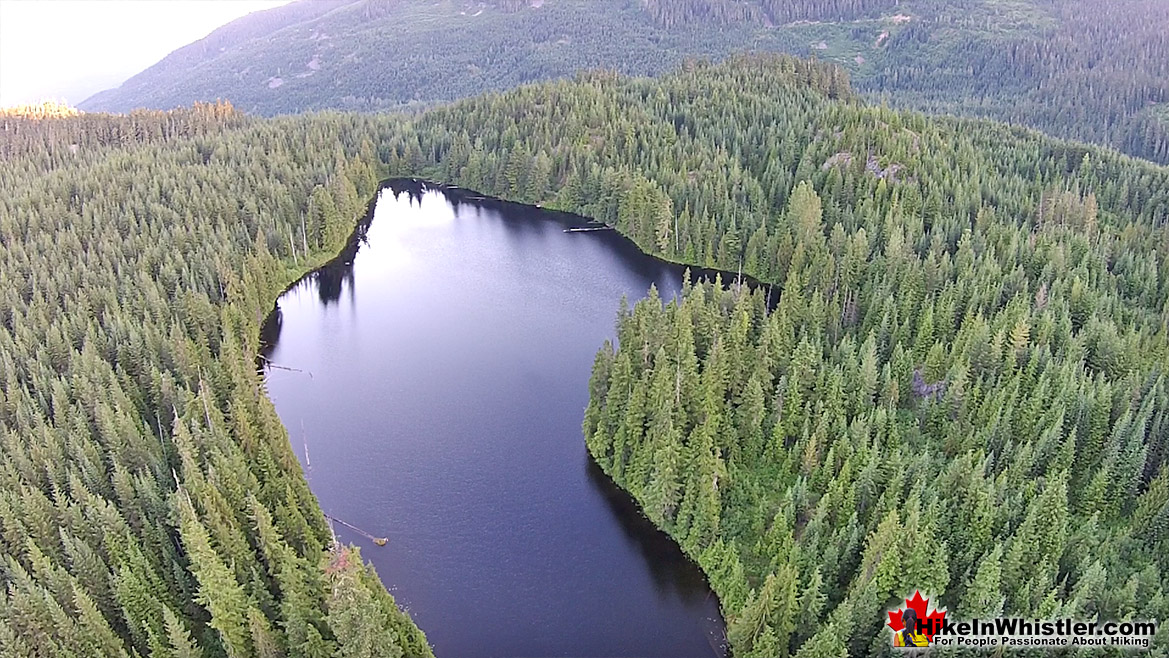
<point>444,378</point>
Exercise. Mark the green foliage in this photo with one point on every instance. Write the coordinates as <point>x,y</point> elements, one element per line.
<point>1093,70</point>
<point>362,629</point>
<point>724,146</point>
<point>885,500</point>
<point>965,396</point>
<point>959,386</point>
<point>150,503</point>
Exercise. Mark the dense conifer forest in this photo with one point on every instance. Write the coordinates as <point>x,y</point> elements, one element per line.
<point>1093,70</point>
<point>961,387</point>
<point>150,502</point>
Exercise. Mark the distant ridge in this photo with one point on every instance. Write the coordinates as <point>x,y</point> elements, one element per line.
<point>1094,70</point>
<point>254,26</point>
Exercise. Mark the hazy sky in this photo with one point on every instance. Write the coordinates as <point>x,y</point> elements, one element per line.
<point>70,49</point>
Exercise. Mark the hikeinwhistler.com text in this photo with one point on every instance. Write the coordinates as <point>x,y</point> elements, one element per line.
<point>1032,633</point>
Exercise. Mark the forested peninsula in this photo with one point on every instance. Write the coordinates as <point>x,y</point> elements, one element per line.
<point>961,388</point>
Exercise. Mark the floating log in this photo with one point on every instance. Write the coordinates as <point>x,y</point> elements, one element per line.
<point>585,229</point>
<point>380,541</point>
<point>268,362</point>
<point>308,463</point>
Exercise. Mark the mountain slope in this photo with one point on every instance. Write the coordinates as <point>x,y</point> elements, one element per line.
<point>257,26</point>
<point>1095,70</point>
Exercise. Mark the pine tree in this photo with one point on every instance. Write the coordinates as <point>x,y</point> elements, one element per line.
<point>361,629</point>
<point>219,591</point>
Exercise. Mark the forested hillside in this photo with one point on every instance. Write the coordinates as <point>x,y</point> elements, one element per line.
<point>962,388</point>
<point>1094,70</point>
<point>150,503</point>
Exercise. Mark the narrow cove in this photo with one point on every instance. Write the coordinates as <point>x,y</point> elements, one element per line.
<point>436,373</point>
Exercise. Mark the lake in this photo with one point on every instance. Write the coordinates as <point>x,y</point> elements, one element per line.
<point>441,375</point>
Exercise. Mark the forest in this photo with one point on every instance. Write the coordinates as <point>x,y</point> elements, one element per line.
<point>150,502</point>
<point>959,385</point>
<point>1091,70</point>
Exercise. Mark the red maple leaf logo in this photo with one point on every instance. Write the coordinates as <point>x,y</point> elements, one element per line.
<point>920,606</point>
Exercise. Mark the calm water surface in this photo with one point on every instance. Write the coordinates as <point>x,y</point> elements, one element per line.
<point>444,378</point>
